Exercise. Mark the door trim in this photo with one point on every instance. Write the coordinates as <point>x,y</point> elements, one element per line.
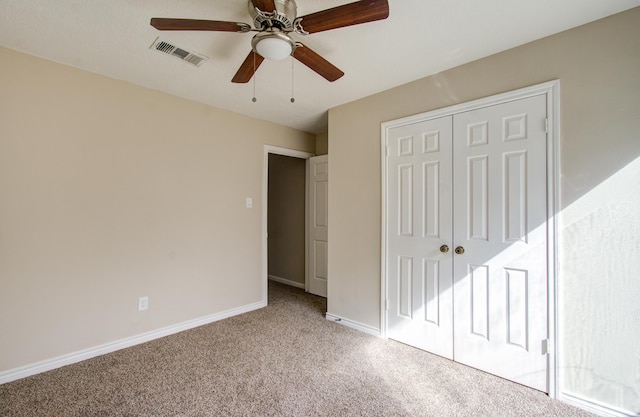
<point>552,91</point>
<point>265,199</point>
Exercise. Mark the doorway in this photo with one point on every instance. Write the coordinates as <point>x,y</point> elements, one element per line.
<point>286,208</point>
<point>284,217</point>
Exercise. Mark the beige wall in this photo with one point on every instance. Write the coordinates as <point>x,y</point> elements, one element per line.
<point>322,144</point>
<point>598,66</point>
<point>286,217</point>
<point>110,192</point>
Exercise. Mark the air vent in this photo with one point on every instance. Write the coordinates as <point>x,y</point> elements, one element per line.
<point>168,48</point>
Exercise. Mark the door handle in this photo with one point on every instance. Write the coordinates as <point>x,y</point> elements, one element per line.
<point>444,248</point>
<point>459,250</point>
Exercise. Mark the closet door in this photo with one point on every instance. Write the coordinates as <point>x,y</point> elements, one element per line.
<point>466,235</point>
<point>419,263</point>
<point>500,255</point>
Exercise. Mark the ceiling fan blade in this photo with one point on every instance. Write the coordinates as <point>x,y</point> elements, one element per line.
<point>346,15</point>
<point>161,23</point>
<point>317,63</point>
<point>248,68</point>
<point>264,5</point>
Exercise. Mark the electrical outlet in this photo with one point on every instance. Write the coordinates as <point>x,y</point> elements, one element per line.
<point>143,303</point>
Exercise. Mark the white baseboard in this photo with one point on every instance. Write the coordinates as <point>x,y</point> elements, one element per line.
<point>353,324</point>
<point>595,407</point>
<point>68,359</point>
<point>286,281</point>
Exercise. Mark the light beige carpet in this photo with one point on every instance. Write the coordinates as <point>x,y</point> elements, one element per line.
<point>283,360</point>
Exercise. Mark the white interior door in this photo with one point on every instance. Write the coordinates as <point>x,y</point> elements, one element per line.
<point>474,181</point>
<point>500,281</point>
<point>420,290</point>
<point>318,225</point>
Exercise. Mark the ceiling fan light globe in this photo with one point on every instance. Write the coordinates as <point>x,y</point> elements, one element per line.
<point>274,48</point>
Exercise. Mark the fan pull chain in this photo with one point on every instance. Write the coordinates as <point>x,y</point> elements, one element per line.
<point>254,99</point>
<point>292,99</point>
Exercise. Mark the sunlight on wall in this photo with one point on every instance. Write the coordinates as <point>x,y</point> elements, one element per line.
<point>599,264</point>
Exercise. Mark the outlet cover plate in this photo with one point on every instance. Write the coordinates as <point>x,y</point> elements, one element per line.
<point>143,303</point>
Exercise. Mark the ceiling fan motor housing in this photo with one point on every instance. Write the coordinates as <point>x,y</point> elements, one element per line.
<point>283,17</point>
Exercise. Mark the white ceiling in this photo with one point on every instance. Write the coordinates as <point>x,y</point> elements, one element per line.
<point>420,38</point>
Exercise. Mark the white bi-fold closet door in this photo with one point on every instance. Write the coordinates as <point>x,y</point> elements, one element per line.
<point>466,238</point>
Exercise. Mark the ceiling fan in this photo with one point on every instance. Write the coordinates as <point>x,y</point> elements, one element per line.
<point>275,21</point>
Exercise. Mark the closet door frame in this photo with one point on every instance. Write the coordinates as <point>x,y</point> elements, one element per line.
<point>552,91</point>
